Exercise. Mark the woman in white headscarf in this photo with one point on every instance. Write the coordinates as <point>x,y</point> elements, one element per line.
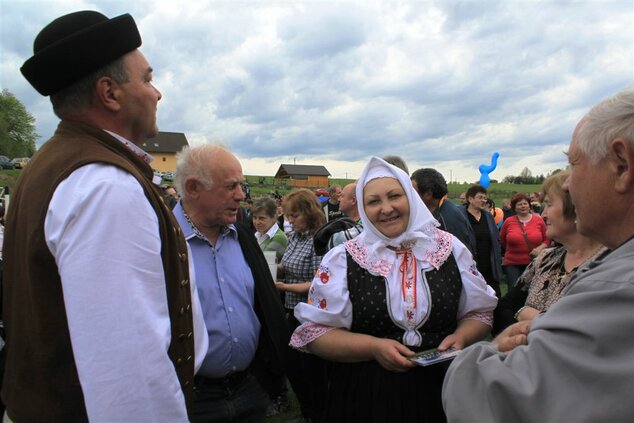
<point>400,287</point>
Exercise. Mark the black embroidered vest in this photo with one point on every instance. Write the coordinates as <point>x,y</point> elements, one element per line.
<point>370,313</point>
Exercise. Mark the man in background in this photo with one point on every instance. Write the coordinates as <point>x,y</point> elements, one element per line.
<point>331,206</point>
<point>244,315</point>
<point>432,189</point>
<point>100,317</point>
<point>348,202</point>
<point>340,230</point>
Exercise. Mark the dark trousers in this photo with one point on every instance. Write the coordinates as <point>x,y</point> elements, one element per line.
<point>513,272</point>
<point>308,375</point>
<point>241,400</point>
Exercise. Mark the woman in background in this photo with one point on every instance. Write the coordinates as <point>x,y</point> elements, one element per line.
<point>522,238</point>
<point>543,281</point>
<point>268,233</point>
<point>487,255</point>
<point>307,374</point>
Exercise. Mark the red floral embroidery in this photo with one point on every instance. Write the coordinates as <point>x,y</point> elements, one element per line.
<point>323,273</point>
<point>323,304</point>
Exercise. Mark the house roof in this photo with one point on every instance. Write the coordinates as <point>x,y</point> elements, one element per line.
<point>166,142</point>
<point>291,171</point>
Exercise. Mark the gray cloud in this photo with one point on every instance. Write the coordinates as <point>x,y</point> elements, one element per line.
<point>442,83</point>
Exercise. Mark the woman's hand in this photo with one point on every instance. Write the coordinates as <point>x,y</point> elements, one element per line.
<point>392,355</point>
<point>455,341</point>
<point>527,313</point>
<point>467,332</point>
<point>281,286</point>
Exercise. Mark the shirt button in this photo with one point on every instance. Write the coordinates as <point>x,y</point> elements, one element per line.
<point>235,340</point>
<point>230,309</point>
<point>234,368</point>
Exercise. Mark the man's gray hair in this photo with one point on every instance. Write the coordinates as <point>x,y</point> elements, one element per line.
<point>82,93</point>
<point>193,163</point>
<point>612,118</point>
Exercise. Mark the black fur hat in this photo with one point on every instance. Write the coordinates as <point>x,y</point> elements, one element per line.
<point>75,45</point>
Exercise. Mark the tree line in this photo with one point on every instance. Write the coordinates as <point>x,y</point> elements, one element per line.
<point>17,127</point>
<point>526,177</point>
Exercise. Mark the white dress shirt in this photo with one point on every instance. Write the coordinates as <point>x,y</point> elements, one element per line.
<point>104,236</point>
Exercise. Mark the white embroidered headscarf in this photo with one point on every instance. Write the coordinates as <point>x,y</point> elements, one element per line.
<point>427,243</point>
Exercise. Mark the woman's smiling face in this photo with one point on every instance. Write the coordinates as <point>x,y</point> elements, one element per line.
<point>386,205</point>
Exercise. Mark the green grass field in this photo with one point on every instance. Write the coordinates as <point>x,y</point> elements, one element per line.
<point>264,185</point>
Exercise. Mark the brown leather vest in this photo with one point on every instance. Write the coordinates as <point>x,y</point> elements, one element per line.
<point>40,381</point>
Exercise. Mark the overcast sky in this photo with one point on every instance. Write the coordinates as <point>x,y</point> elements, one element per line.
<point>443,84</point>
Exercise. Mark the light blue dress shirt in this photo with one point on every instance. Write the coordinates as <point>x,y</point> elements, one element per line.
<point>226,290</point>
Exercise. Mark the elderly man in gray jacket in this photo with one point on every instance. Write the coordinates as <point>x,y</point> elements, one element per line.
<point>576,362</point>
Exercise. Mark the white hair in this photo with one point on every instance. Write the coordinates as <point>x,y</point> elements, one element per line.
<point>193,163</point>
<point>612,118</point>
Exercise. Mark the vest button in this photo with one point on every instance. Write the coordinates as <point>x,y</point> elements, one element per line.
<point>183,257</point>
<point>184,282</point>
<point>188,307</point>
<point>189,335</point>
<point>182,311</point>
<point>182,337</point>
<point>179,361</point>
<point>189,358</point>
<point>186,383</point>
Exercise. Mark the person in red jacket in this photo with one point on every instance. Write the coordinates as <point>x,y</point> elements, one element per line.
<point>522,237</point>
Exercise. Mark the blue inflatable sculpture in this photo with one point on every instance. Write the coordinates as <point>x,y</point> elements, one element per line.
<point>485,180</point>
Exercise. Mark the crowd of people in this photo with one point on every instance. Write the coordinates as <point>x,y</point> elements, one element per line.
<point>123,301</point>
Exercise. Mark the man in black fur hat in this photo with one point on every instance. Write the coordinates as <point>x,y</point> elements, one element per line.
<point>101,320</point>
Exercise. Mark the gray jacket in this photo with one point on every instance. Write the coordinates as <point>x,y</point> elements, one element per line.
<point>578,365</point>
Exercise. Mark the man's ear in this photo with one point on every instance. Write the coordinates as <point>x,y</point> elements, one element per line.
<point>108,93</point>
<point>621,157</point>
<point>192,187</point>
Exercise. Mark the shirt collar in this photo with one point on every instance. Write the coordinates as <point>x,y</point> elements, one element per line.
<point>135,148</point>
<point>229,230</point>
<point>272,230</point>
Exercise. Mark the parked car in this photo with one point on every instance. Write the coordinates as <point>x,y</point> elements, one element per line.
<point>5,163</point>
<point>20,162</point>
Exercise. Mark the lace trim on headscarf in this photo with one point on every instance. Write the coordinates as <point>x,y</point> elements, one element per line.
<point>440,250</point>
